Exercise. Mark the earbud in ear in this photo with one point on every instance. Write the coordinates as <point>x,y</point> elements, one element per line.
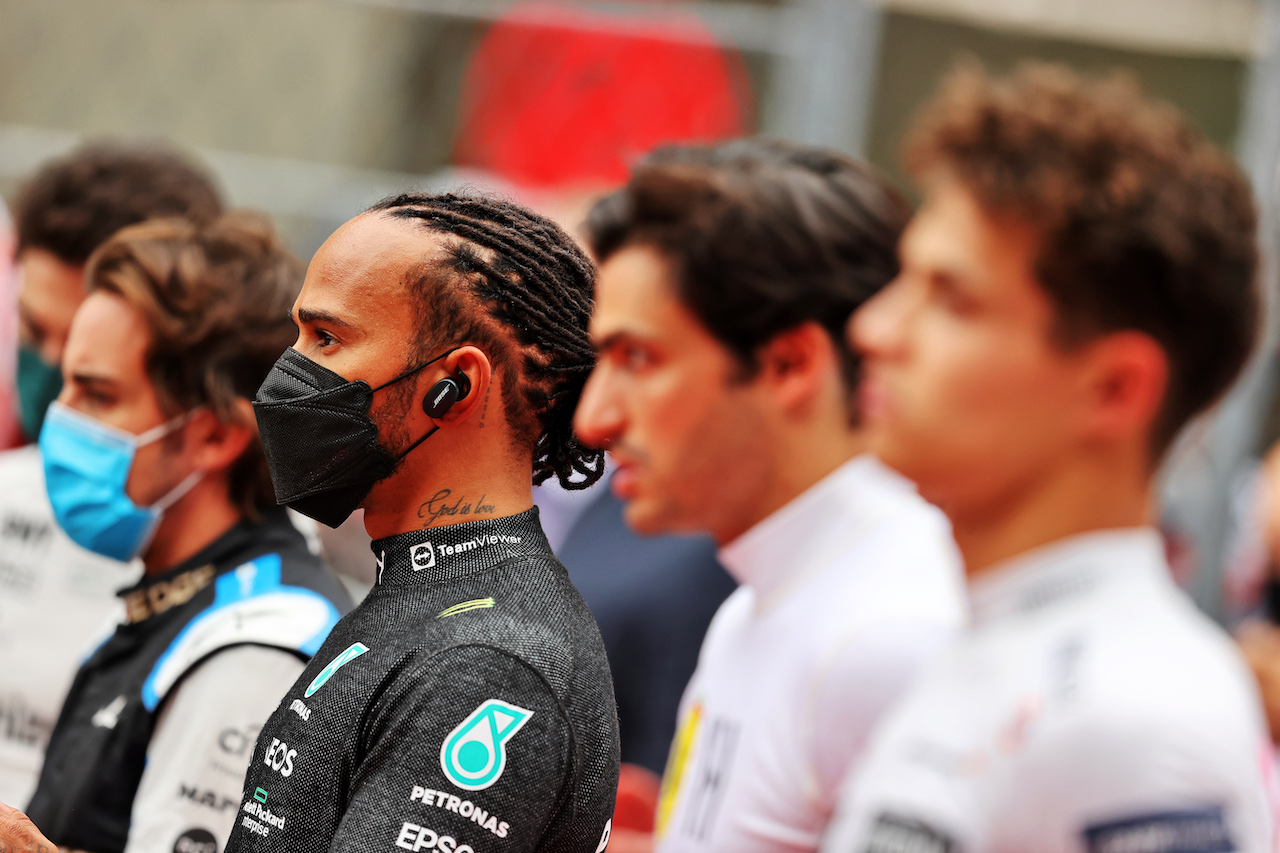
<point>445,393</point>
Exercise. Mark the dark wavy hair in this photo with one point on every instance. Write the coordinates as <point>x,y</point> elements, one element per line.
<point>763,235</point>
<point>516,285</point>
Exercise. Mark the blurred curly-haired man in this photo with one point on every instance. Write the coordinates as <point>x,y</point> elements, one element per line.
<point>1078,284</point>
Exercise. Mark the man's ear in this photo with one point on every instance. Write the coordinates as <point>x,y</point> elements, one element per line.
<point>1127,377</point>
<point>473,362</point>
<point>798,363</point>
<point>218,443</point>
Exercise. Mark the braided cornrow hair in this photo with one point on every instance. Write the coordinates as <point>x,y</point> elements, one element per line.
<point>535,285</point>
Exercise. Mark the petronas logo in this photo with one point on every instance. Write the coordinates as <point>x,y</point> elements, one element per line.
<point>474,754</point>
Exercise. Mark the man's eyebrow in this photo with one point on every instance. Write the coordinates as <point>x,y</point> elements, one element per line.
<point>609,340</point>
<point>91,379</point>
<point>311,315</point>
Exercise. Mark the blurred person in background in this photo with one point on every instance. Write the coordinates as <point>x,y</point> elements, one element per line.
<point>465,704</point>
<point>1259,635</point>
<point>10,431</point>
<point>724,395</point>
<point>1079,282</point>
<point>151,451</point>
<point>57,598</point>
<point>68,209</point>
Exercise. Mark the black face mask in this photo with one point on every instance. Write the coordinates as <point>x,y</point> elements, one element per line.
<point>321,445</point>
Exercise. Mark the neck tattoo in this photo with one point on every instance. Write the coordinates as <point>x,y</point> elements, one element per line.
<point>445,506</point>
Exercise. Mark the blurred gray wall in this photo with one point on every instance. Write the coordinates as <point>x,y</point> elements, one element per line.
<point>916,51</point>
<point>373,92</point>
<point>308,82</point>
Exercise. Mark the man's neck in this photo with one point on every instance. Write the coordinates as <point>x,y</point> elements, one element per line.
<point>195,522</point>
<point>422,500</point>
<point>800,466</point>
<point>1077,500</point>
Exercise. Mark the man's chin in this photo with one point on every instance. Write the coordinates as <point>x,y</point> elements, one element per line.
<point>643,518</point>
<point>931,482</point>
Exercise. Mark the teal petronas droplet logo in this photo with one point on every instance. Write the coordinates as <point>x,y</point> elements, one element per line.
<point>474,754</point>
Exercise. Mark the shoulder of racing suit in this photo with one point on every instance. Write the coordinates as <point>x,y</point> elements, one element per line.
<point>251,606</point>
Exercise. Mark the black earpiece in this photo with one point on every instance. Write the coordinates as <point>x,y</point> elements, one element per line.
<point>445,393</point>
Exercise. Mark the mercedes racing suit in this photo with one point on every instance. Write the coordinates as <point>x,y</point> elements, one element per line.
<point>1090,708</point>
<point>464,707</point>
<point>216,631</point>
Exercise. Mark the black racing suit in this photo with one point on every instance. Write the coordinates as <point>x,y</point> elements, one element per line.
<point>257,584</point>
<point>464,707</point>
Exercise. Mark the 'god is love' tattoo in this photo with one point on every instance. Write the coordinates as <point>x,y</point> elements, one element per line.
<point>443,505</point>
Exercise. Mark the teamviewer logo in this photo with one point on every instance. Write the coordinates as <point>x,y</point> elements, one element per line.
<point>422,556</point>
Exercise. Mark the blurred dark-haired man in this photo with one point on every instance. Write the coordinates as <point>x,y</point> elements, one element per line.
<point>151,452</point>
<point>724,395</point>
<point>1079,282</point>
<point>56,598</point>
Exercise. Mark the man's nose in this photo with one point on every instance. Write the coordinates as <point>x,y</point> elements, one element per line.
<point>599,418</point>
<point>876,329</point>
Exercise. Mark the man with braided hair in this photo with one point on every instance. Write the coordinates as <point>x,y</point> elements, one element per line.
<point>465,706</point>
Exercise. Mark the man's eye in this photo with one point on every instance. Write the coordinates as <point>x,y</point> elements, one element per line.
<point>637,358</point>
<point>325,338</point>
<point>951,298</point>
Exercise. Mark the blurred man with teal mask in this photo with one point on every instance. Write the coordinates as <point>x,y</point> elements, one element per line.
<point>57,598</point>
<point>65,212</point>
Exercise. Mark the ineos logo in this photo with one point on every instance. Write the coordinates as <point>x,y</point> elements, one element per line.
<point>422,556</point>
<point>280,757</point>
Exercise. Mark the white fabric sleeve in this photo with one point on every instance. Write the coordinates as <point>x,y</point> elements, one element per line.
<point>189,794</point>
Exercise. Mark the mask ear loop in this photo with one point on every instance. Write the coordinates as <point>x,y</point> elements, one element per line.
<point>155,434</point>
<point>179,491</point>
<point>414,370</point>
<point>410,372</point>
<point>429,433</point>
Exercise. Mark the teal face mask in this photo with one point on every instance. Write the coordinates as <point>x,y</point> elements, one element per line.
<point>39,384</point>
<point>86,468</point>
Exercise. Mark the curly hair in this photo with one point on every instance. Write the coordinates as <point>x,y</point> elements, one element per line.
<point>1143,224</point>
<point>216,299</point>
<point>517,286</point>
<point>73,204</point>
